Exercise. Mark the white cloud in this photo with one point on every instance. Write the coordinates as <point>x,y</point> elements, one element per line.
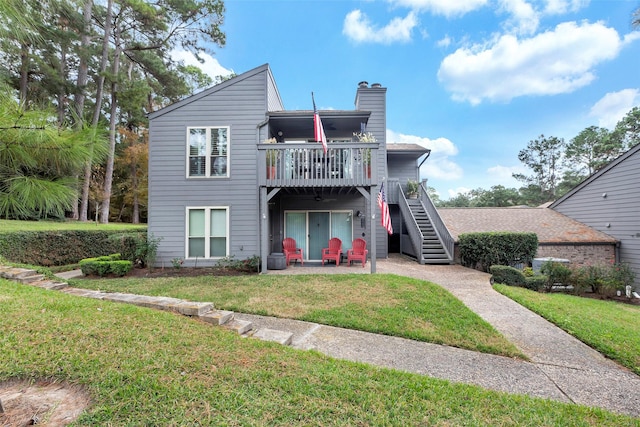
<point>444,42</point>
<point>453,192</point>
<point>614,106</point>
<point>448,8</point>
<point>558,7</point>
<point>210,66</point>
<point>524,19</point>
<point>503,175</point>
<point>359,28</point>
<point>550,63</point>
<point>439,165</point>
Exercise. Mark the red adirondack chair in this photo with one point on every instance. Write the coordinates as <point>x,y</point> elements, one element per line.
<point>291,251</point>
<point>358,252</point>
<point>333,252</point>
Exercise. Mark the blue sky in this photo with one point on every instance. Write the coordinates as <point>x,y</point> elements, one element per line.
<point>473,80</point>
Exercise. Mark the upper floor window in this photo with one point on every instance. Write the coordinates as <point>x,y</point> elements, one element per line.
<point>208,149</point>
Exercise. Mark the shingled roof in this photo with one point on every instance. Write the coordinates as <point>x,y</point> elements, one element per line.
<point>549,225</point>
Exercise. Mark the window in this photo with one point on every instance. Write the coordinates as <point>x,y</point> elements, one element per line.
<point>207,232</point>
<point>208,149</point>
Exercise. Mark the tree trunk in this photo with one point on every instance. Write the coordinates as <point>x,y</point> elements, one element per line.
<point>81,85</point>
<point>84,204</point>
<point>62,93</point>
<point>108,175</point>
<point>24,73</point>
<point>135,217</point>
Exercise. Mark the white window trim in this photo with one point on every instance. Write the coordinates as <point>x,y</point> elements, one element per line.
<point>207,231</point>
<point>208,151</point>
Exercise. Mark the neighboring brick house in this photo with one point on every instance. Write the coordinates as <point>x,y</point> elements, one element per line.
<point>558,235</point>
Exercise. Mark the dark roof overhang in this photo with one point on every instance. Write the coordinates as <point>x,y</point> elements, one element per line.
<point>299,123</point>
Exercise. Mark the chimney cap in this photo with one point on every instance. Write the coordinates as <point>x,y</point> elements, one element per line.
<point>376,85</point>
<point>363,84</point>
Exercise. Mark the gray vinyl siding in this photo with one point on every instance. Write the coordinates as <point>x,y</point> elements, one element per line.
<point>241,105</point>
<point>374,100</point>
<point>403,169</point>
<point>617,213</point>
<point>273,96</point>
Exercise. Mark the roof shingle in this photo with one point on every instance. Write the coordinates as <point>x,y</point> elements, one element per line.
<point>549,225</point>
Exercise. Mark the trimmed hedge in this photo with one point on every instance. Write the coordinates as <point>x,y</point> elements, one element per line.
<point>101,266</point>
<point>507,275</point>
<point>482,250</point>
<point>54,248</point>
<point>511,276</point>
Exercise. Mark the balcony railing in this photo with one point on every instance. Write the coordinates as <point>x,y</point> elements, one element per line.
<point>306,165</point>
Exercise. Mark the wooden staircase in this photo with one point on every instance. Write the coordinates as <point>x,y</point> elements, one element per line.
<point>432,249</point>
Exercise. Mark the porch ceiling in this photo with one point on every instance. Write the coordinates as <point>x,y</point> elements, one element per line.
<point>319,193</point>
<point>299,124</point>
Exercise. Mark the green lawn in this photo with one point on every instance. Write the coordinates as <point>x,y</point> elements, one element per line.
<point>611,328</point>
<point>147,367</point>
<point>13,225</point>
<point>380,303</point>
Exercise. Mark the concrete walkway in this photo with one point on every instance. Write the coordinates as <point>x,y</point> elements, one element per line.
<point>561,367</point>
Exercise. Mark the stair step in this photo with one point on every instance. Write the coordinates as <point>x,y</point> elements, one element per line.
<point>240,326</point>
<point>52,285</point>
<point>273,335</point>
<point>31,278</point>
<point>217,317</point>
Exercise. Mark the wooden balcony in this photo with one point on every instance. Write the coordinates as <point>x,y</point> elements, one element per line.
<point>306,165</point>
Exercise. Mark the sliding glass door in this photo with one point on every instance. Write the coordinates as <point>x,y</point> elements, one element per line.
<point>313,229</point>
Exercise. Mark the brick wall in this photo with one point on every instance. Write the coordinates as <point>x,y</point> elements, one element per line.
<point>579,255</point>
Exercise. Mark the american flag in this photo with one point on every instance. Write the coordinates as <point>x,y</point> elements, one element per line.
<point>318,130</point>
<point>384,210</point>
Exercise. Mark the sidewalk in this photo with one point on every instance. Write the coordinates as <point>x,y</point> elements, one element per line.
<point>561,368</point>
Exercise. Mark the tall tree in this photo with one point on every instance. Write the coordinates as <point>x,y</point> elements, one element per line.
<point>591,149</point>
<point>544,157</point>
<point>627,131</point>
<point>38,161</point>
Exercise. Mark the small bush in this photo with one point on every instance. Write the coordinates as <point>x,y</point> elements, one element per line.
<point>602,280</point>
<point>251,264</point>
<point>557,274</point>
<point>507,275</point>
<point>536,283</point>
<point>120,268</point>
<point>103,265</point>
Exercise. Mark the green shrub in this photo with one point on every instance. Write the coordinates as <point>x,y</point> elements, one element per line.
<point>103,265</point>
<point>251,264</point>
<point>482,250</point>
<point>507,275</point>
<point>603,280</point>
<point>55,248</point>
<point>120,268</point>
<point>557,274</point>
<point>535,283</point>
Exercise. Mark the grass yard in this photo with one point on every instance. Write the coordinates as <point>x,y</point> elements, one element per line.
<point>146,367</point>
<point>380,303</point>
<point>14,225</point>
<point>611,328</point>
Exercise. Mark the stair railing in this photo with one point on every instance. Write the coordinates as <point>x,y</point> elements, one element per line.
<point>415,235</point>
<point>436,221</point>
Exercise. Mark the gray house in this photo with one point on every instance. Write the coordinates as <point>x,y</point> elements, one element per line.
<point>609,201</point>
<point>232,173</point>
